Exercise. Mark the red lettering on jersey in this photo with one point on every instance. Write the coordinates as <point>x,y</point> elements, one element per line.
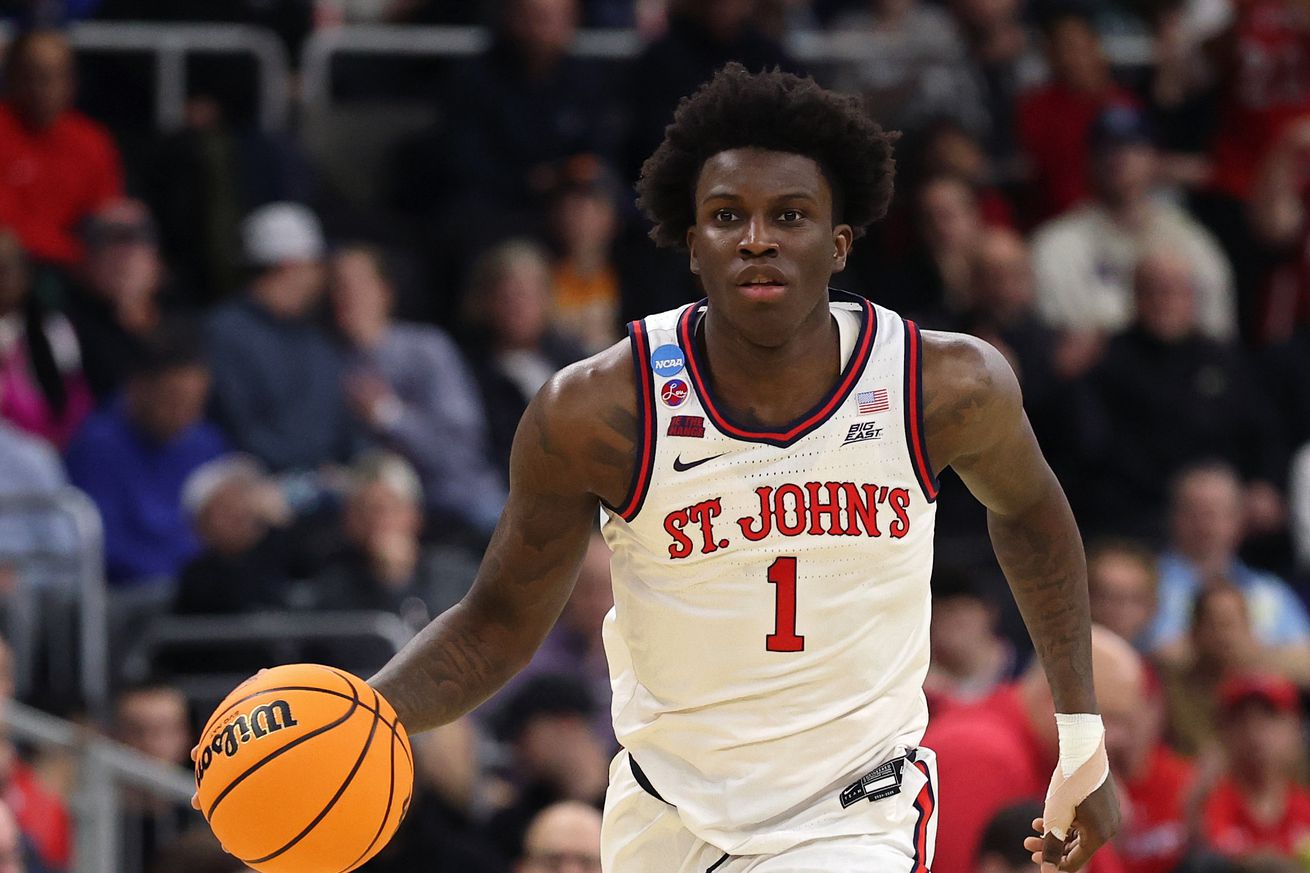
<point>900,501</point>
<point>862,503</point>
<point>674,522</point>
<point>747,523</point>
<point>780,509</point>
<point>701,513</point>
<point>818,508</point>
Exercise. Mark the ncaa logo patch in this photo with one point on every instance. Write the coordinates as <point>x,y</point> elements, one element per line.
<point>674,392</point>
<point>667,361</point>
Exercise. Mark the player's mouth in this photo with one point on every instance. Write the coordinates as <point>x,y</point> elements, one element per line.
<point>761,283</point>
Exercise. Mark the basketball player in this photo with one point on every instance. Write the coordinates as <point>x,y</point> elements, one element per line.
<point>767,461</point>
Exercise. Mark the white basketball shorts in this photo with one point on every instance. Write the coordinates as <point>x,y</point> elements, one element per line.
<point>643,834</point>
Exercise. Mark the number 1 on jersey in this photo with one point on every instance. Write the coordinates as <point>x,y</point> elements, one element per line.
<point>782,573</point>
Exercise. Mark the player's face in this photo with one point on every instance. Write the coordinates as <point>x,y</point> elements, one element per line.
<point>764,244</point>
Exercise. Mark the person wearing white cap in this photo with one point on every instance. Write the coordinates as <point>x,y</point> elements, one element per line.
<point>277,373</point>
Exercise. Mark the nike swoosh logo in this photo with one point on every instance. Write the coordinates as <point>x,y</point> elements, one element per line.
<point>682,468</point>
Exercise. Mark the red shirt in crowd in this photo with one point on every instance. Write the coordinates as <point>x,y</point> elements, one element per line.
<point>1053,126</point>
<point>41,816</point>
<point>1232,830</point>
<point>52,179</point>
<point>1267,86</point>
<point>988,758</point>
<point>1153,836</point>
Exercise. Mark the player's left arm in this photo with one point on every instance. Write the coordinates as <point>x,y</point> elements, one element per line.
<point>974,423</point>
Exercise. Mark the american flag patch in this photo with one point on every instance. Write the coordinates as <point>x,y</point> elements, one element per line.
<point>872,401</point>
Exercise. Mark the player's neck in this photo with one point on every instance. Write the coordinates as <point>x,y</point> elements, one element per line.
<point>771,385</point>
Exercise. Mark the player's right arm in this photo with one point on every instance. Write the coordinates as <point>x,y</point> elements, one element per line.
<point>574,447</point>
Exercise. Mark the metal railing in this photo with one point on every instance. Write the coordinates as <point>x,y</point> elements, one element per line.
<point>322,46</point>
<point>86,597</point>
<point>172,43</point>
<point>104,768</point>
<point>212,632</point>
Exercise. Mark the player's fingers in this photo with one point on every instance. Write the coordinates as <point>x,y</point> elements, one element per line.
<point>195,801</point>
<point>195,751</point>
<point>1081,851</point>
<point>1037,826</point>
<point>1052,853</point>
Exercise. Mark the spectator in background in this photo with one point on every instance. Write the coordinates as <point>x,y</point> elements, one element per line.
<point>1001,751</point>
<point>1005,64</point>
<point>917,69</point>
<point>384,565</point>
<point>1206,530</point>
<point>1264,78</point>
<point>970,659</point>
<point>133,456</point>
<point>511,345</point>
<point>30,467</point>
<point>153,720</point>
<point>1173,397</point>
<point>1258,810</point>
<point>563,838</point>
<point>42,388</point>
<point>277,374</point>
<point>1277,215</point>
<point>16,853</point>
<point>1157,788</point>
<point>585,222</point>
<point>41,815</point>
<point>1054,119</point>
<point>439,832</point>
<point>933,281</point>
<point>241,518</point>
<point>701,38</point>
<point>1086,259</point>
<point>948,148</point>
<point>1123,582</point>
<point>556,756</point>
<point>409,386</point>
<point>524,105</point>
<point>1223,643</point>
<point>1001,848</point>
<point>56,165</point>
<point>115,304</point>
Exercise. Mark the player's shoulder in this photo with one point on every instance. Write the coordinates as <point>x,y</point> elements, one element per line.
<point>593,383</point>
<point>964,367</point>
<point>585,422</point>
<point>970,393</point>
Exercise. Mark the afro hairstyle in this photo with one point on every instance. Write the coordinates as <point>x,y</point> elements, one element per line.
<point>776,111</point>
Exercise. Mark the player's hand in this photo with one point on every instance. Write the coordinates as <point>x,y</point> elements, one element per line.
<point>1096,820</point>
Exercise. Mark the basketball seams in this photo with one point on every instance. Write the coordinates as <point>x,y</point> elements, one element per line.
<point>377,716</point>
<point>291,745</point>
<point>223,712</point>
<point>391,799</point>
<point>395,726</point>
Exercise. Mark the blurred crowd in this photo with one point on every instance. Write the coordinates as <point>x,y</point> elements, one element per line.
<point>283,394</point>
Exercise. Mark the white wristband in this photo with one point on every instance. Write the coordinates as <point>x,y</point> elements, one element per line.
<point>1080,733</point>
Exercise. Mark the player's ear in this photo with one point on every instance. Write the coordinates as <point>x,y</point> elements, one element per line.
<point>843,237</point>
<point>691,250</point>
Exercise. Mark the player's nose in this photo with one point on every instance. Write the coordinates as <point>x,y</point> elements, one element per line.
<point>756,239</point>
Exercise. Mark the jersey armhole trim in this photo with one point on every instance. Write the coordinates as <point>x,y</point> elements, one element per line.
<point>646,421</point>
<point>914,430</point>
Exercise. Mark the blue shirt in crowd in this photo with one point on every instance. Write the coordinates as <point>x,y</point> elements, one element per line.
<point>277,387</point>
<point>136,483</point>
<point>1277,615</point>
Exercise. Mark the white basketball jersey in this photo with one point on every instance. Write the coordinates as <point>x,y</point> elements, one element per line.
<point>770,632</point>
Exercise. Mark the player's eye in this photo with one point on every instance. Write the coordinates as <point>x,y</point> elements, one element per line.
<point>791,215</point>
<point>724,215</point>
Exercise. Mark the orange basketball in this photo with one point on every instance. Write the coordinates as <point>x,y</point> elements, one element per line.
<point>304,769</point>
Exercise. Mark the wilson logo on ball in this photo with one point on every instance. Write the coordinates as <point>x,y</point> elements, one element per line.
<point>265,719</point>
